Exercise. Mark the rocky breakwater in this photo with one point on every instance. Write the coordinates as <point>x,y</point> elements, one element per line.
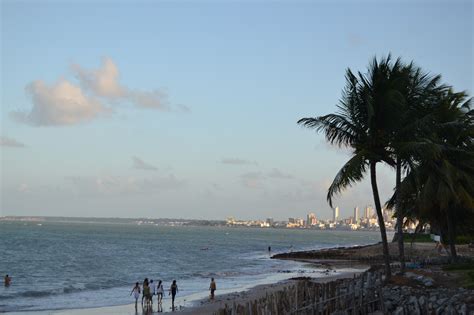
<point>425,298</point>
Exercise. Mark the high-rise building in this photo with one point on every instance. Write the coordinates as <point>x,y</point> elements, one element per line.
<point>368,212</point>
<point>335,215</point>
<point>356,214</point>
<point>311,219</point>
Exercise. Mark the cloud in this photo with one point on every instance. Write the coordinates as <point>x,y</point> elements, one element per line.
<point>276,173</point>
<point>237,161</point>
<point>68,103</point>
<point>105,82</point>
<point>62,103</point>
<point>113,185</point>
<point>139,164</point>
<point>9,142</point>
<point>257,179</point>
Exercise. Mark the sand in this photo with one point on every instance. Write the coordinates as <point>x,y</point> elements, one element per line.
<point>200,302</point>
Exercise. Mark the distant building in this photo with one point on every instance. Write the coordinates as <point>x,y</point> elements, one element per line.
<point>356,214</point>
<point>270,221</point>
<point>295,222</point>
<point>311,219</point>
<point>368,212</point>
<point>335,216</point>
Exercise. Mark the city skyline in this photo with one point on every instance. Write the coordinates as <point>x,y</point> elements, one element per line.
<point>130,111</point>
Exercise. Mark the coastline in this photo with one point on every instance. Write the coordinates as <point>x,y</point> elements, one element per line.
<point>199,303</point>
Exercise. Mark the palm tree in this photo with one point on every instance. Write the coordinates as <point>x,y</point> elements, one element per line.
<point>363,122</point>
<point>439,188</point>
<point>407,139</point>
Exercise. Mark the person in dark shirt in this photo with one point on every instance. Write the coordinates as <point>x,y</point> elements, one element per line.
<point>173,291</point>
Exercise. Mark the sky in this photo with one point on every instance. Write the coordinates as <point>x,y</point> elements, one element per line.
<point>188,109</point>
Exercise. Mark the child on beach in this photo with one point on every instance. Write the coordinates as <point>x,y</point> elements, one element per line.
<point>172,292</point>
<point>136,293</point>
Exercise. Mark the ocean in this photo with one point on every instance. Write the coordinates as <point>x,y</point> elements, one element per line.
<point>74,265</point>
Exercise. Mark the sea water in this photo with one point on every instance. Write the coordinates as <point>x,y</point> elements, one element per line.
<point>74,265</point>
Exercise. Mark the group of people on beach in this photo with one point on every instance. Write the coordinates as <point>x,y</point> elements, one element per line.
<point>149,289</point>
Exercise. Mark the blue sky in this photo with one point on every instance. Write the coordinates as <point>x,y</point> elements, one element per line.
<point>189,109</point>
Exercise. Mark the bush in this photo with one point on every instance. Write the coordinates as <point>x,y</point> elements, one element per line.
<point>417,238</point>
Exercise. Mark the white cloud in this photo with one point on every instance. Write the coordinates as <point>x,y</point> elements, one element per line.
<point>142,165</point>
<point>237,161</point>
<point>10,142</point>
<point>105,82</point>
<point>63,103</point>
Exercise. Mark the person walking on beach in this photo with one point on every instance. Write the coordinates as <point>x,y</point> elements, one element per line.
<point>152,291</point>
<point>145,287</point>
<point>136,293</point>
<point>212,288</point>
<point>159,295</point>
<point>7,280</point>
<point>172,292</point>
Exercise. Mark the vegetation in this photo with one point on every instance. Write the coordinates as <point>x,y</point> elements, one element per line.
<point>465,272</point>
<point>399,115</point>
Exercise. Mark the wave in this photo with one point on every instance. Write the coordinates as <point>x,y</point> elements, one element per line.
<point>52,292</point>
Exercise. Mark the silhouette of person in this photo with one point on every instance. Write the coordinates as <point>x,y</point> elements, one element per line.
<point>213,288</point>
<point>172,292</point>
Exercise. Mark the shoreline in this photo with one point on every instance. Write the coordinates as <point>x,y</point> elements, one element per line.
<point>199,303</point>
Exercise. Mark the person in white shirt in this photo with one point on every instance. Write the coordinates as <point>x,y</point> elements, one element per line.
<point>152,291</point>
<point>159,294</point>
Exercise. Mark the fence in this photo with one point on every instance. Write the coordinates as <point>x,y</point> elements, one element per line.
<point>361,295</point>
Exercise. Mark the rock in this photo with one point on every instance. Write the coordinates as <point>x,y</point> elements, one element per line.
<point>441,301</point>
<point>450,310</point>
<point>398,311</point>
<point>421,301</point>
<point>463,309</point>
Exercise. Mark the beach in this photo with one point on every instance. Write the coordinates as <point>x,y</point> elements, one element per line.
<point>200,303</point>
<point>327,265</point>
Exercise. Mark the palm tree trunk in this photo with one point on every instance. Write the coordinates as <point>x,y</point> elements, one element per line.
<point>401,250</point>
<point>378,208</point>
<point>451,236</point>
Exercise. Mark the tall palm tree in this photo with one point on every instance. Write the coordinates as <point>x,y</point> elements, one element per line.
<point>407,139</point>
<point>362,122</point>
<point>440,187</point>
